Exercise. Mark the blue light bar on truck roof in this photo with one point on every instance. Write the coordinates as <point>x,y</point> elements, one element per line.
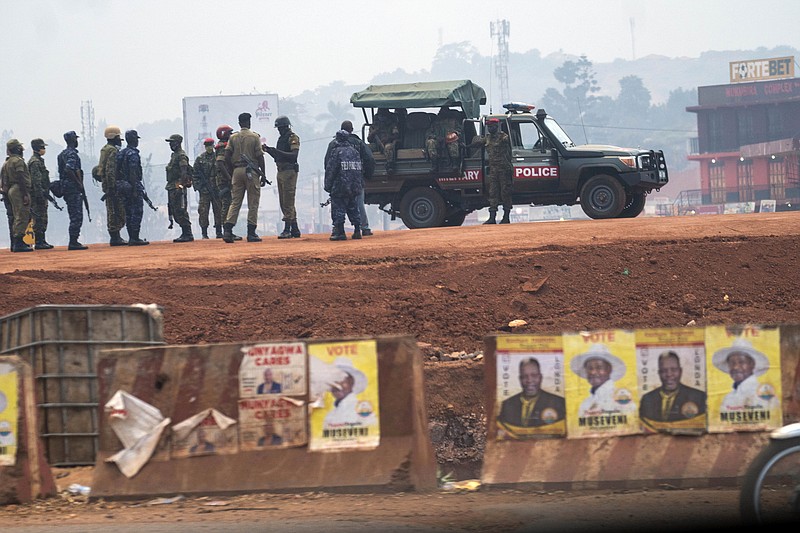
<point>519,107</point>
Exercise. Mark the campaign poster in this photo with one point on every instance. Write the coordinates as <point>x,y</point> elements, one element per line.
<point>672,380</point>
<point>602,391</point>
<point>209,432</point>
<point>272,422</point>
<point>9,414</point>
<point>344,396</point>
<point>273,368</point>
<point>744,378</point>
<point>530,387</point>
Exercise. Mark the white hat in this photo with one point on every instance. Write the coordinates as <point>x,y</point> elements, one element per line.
<point>359,379</point>
<point>598,351</point>
<point>720,358</point>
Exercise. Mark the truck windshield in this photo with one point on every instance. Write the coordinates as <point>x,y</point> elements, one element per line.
<point>560,134</point>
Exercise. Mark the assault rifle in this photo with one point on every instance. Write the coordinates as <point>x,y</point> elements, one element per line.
<point>148,202</point>
<point>326,203</point>
<point>253,167</point>
<point>53,201</point>
<point>77,177</point>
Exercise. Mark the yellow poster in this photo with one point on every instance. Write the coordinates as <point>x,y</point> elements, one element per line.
<point>672,380</point>
<point>344,396</point>
<point>9,410</point>
<point>744,378</point>
<point>530,387</point>
<point>601,383</point>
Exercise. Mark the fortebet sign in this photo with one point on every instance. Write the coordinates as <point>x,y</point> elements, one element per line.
<point>762,69</point>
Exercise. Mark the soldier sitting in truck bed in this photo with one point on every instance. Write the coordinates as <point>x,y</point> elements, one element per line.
<point>445,137</point>
<point>384,134</point>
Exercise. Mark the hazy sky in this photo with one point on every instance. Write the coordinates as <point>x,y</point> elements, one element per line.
<point>136,60</point>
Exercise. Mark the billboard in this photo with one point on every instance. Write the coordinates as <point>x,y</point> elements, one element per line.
<point>203,114</point>
<point>762,69</point>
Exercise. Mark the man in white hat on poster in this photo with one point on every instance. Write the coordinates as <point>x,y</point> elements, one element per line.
<point>346,411</point>
<point>744,364</point>
<point>602,369</point>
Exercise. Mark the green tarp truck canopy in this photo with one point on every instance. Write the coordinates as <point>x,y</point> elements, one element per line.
<point>423,94</point>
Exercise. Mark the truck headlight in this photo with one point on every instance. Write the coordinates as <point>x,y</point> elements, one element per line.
<point>628,161</point>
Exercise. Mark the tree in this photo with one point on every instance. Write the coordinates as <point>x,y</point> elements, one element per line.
<point>337,113</point>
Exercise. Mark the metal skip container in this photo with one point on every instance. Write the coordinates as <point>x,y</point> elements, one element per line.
<point>61,343</point>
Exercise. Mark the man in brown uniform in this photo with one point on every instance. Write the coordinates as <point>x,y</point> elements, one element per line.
<point>285,153</point>
<point>40,190</point>
<point>244,145</point>
<point>15,181</point>
<point>178,180</point>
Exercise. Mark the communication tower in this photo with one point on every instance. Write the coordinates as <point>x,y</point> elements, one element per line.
<point>87,125</point>
<point>500,30</point>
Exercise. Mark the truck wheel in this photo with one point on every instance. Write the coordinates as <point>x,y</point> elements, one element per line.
<point>634,205</point>
<point>602,196</point>
<point>455,219</point>
<point>422,207</point>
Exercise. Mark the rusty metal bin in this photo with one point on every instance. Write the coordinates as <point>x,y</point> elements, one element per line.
<point>61,343</point>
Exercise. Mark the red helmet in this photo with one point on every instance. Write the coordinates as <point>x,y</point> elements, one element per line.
<point>223,130</point>
<point>208,140</point>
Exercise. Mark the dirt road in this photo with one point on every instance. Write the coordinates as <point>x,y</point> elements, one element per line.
<point>448,287</point>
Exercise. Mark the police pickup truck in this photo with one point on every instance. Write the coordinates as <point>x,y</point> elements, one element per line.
<point>549,169</point>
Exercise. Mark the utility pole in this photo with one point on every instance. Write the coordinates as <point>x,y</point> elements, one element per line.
<point>87,125</point>
<point>500,30</point>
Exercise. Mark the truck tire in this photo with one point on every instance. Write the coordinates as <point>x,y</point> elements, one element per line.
<point>456,219</point>
<point>422,207</point>
<point>602,196</point>
<point>634,205</point>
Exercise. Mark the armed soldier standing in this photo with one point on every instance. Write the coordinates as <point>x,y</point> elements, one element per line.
<point>205,182</point>
<point>15,182</point>
<point>178,180</point>
<point>285,153</point>
<point>498,154</point>
<point>129,170</point>
<point>243,151</point>
<point>70,176</point>
<point>224,174</point>
<point>344,182</point>
<point>40,192</point>
<point>383,136</point>
<point>115,201</point>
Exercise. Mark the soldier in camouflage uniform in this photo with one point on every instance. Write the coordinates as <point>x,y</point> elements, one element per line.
<point>384,135</point>
<point>40,191</point>
<point>285,153</point>
<point>70,175</point>
<point>129,170</point>
<point>498,155</point>
<point>178,180</point>
<point>15,183</point>
<point>115,200</point>
<point>205,182</point>
<point>445,136</point>
<point>224,174</point>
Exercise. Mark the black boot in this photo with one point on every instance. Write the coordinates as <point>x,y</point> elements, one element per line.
<point>134,240</point>
<point>186,235</point>
<point>218,227</point>
<point>337,234</point>
<point>75,245</point>
<point>116,240</point>
<point>492,217</point>
<point>18,245</point>
<point>41,243</point>
<point>287,231</point>
<point>227,233</point>
<point>204,231</point>
<point>356,232</point>
<point>506,216</point>
<point>294,230</point>
<point>251,234</point>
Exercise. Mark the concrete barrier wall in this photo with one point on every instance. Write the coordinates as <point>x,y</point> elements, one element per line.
<point>183,380</point>
<point>631,461</point>
<point>24,474</point>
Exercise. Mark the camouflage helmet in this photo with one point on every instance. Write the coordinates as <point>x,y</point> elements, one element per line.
<point>111,132</point>
<point>282,120</point>
<point>175,138</point>
<point>37,144</point>
<point>13,145</point>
